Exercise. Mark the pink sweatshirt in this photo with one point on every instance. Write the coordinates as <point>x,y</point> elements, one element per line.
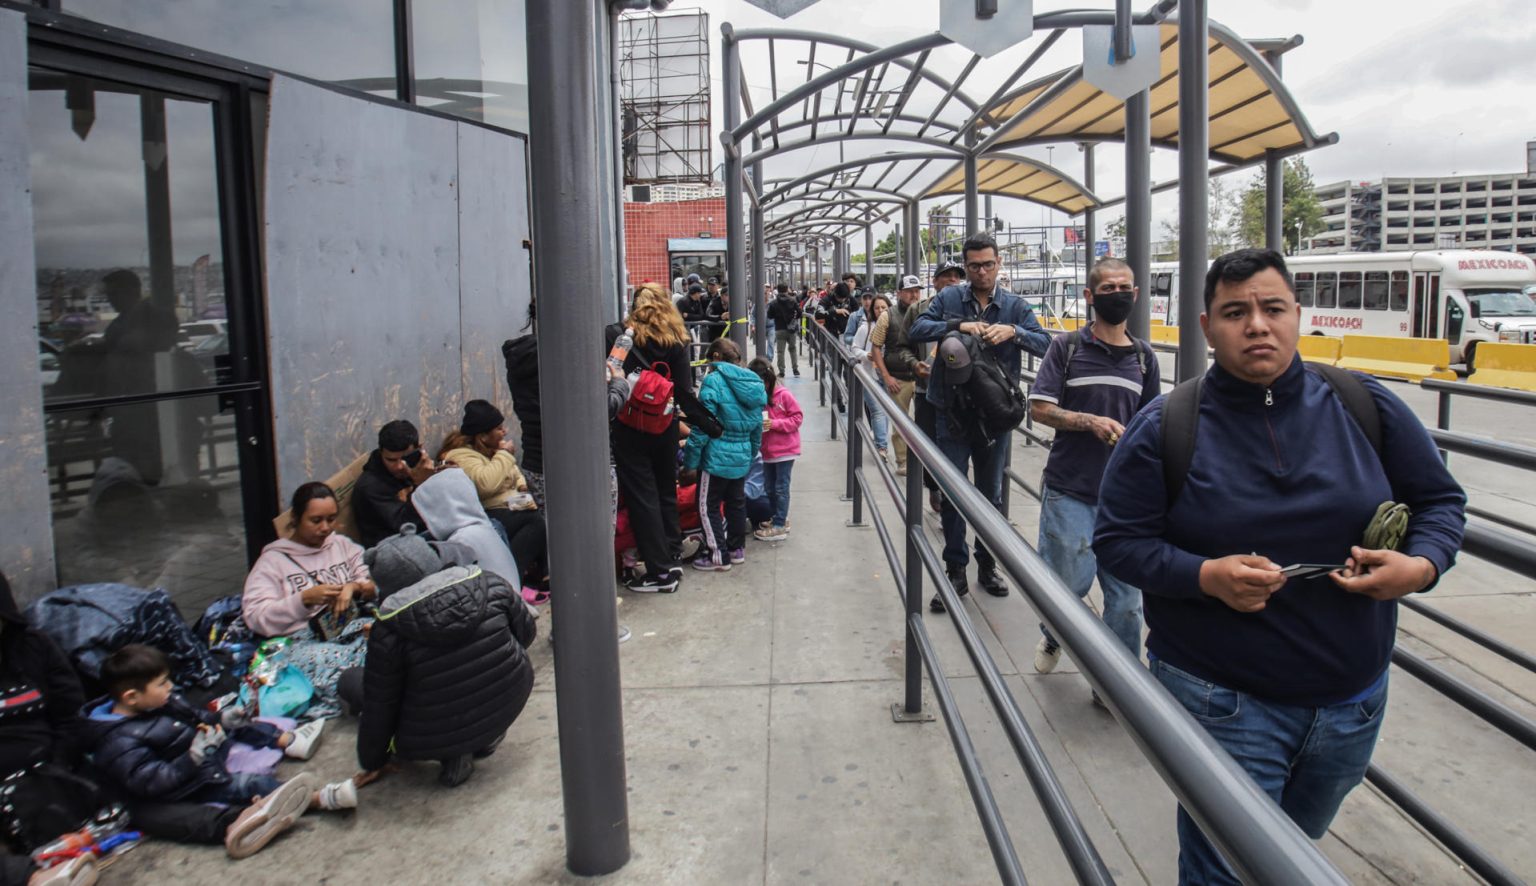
<point>781,442</point>
<point>272,603</point>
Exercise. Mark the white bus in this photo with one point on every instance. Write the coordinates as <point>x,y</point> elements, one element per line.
<point>1464,296</point>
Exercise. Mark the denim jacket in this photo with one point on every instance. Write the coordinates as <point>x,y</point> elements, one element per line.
<point>956,305</point>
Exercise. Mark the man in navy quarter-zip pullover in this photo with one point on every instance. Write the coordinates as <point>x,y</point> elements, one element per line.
<point>1290,676</point>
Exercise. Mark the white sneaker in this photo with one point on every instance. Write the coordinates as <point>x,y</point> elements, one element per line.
<point>269,816</point>
<point>1047,656</point>
<point>339,795</point>
<point>305,739</point>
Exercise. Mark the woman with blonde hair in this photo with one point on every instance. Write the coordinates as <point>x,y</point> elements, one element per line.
<point>646,463</point>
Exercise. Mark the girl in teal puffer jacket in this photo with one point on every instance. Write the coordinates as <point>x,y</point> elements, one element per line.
<point>737,397</point>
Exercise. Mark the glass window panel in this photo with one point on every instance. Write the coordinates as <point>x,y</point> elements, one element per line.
<point>343,41</point>
<point>470,59</point>
<point>1327,289</point>
<point>1349,290</point>
<point>130,275</point>
<point>1376,290</point>
<point>1399,290</point>
<point>149,495</point>
<point>1304,289</point>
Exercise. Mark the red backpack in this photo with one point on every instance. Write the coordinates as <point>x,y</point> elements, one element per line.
<point>649,407</point>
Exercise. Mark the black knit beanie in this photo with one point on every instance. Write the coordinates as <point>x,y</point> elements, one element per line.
<point>479,417</point>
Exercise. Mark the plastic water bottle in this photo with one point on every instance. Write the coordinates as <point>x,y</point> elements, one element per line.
<point>621,347</point>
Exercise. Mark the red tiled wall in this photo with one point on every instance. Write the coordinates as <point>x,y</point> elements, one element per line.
<point>648,226</point>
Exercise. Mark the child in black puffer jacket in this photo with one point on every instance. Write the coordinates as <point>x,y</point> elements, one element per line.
<point>446,670</point>
<point>149,743</point>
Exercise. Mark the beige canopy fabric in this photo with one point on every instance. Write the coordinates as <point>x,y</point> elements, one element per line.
<point>1012,176</point>
<point>1250,109</point>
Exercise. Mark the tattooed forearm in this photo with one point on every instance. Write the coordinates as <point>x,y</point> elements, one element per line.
<point>1054,416</point>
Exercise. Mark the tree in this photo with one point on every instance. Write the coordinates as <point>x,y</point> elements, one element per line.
<point>1115,230</point>
<point>1299,201</point>
<point>1222,232</point>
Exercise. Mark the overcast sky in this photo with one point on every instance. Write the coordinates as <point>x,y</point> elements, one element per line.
<point>1411,87</point>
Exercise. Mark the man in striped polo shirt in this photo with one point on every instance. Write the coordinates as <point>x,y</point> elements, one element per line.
<point>1091,382</point>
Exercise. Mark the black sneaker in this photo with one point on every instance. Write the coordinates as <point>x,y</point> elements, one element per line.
<point>663,583</point>
<point>456,770</point>
<point>956,575</point>
<point>991,582</point>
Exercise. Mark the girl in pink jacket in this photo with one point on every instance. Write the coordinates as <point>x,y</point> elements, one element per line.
<point>781,446</point>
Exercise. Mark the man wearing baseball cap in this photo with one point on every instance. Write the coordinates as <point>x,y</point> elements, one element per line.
<point>894,356</point>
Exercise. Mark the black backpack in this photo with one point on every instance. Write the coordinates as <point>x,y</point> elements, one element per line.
<point>1181,418</point>
<point>988,405</point>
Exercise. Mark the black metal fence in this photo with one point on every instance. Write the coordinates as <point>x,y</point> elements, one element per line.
<point>1261,843</point>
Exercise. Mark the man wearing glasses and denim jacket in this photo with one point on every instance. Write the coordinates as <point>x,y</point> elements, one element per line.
<point>1090,385</point>
<point>1005,324</point>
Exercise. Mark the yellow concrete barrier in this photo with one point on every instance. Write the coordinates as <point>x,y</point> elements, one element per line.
<point>1064,323</point>
<point>1411,358</point>
<point>1165,335</point>
<point>1320,349</point>
<point>1504,366</point>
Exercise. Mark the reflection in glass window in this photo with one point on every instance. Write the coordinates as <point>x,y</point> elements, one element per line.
<point>470,59</point>
<point>1327,289</point>
<point>1304,289</point>
<point>337,40</point>
<point>1349,290</point>
<point>1399,290</point>
<point>126,216</point>
<point>1376,290</point>
<point>182,531</point>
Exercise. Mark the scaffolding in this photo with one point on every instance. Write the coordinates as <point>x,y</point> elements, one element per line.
<point>664,97</point>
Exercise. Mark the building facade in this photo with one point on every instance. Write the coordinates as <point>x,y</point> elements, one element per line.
<point>667,240</point>
<point>1495,212</point>
<point>241,237</point>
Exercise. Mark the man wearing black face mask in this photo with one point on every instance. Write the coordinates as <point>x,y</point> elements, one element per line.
<point>1090,384</point>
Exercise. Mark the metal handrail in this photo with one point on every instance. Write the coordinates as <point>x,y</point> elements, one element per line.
<point>1512,454</point>
<point>1260,841</point>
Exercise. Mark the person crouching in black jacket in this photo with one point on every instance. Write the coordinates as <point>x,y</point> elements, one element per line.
<point>446,672</point>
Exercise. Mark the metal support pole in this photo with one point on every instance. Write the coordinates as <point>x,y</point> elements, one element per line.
<point>869,245</point>
<point>1090,234</point>
<point>759,265</point>
<point>1194,178</point>
<point>157,202</point>
<point>1138,208</point>
<point>1443,420</point>
<point>914,588</point>
<point>914,242</point>
<point>901,262</point>
<point>851,457</point>
<point>971,208</point>
<point>567,172</point>
<point>735,227</point>
<point>1274,187</point>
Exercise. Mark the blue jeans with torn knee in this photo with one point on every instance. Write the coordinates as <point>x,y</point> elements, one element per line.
<point>1305,758</point>
<point>1066,545</point>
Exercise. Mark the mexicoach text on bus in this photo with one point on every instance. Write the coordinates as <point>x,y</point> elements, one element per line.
<point>1493,264</point>
<point>1333,322</point>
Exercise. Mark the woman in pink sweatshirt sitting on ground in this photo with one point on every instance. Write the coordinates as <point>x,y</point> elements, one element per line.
<point>306,587</point>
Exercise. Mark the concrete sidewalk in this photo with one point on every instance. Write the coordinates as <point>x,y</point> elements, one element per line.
<point>761,748</point>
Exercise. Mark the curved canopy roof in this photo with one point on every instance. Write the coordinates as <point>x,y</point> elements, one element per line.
<point>1011,175</point>
<point>1250,109</point>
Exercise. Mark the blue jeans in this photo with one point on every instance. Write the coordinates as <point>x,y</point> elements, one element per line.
<point>990,461</point>
<point>1066,545</point>
<point>1306,759</point>
<point>878,424</point>
<point>242,788</point>
<point>776,481</point>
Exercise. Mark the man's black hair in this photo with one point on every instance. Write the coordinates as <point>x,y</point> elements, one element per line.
<point>398,436</point>
<point>849,275</point>
<point>1240,265</point>
<point>783,288</point>
<point>976,243</point>
<point>134,666</point>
